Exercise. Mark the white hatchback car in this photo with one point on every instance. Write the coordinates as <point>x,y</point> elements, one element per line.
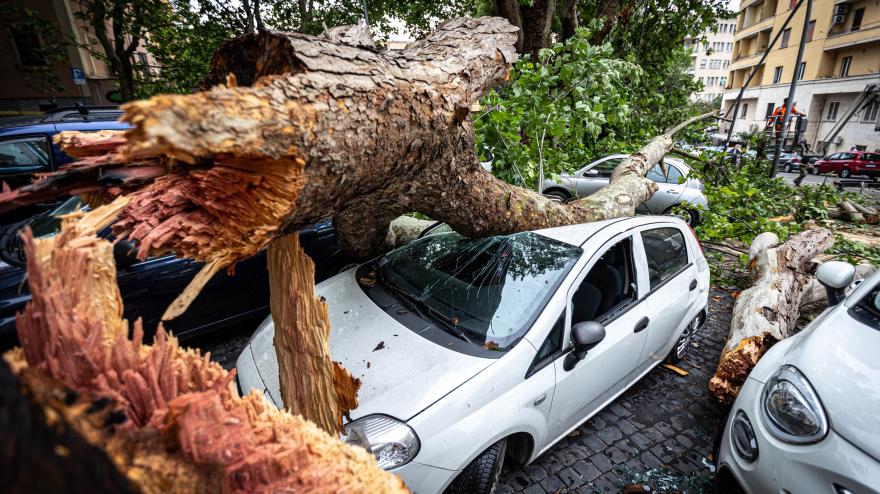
<point>807,419</point>
<point>472,348</point>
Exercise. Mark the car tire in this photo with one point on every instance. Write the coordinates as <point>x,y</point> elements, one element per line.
<point>787,168</point>
<point>844,173</point>
<point>481,474</point>
<point>556,196</point>
<point>683,345</point>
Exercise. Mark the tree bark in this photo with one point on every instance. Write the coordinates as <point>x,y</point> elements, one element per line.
<point>166,417</point>
<point>767,312</point>
<point>568,19</point>
<point>312,385</point>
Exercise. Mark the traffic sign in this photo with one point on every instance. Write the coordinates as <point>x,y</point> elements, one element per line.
<point>79,77</point>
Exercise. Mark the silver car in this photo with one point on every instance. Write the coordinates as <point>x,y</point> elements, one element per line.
<point>674,188</point>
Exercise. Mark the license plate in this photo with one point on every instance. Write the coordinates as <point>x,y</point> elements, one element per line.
<point>870,166</point>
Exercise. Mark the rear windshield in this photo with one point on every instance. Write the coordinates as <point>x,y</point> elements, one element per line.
<point>490,290</point>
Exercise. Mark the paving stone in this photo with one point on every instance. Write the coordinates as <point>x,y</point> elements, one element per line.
<point>627,447</point>
<point>604,486</point>
<point>626,427</point>
<point>649,460</point>
<point>594,443</point>
<point>535,472</point>
<point>619,410</point>
<point>602,462</point>
<point>640,440</point>
<point>609,434</point>
<point>684,441</point>
<point>552,484</point>
<point>653,434</point>
<point>534,489</point>
<point>571,478</point>
<point>616,455</point>
<point>587,470</point>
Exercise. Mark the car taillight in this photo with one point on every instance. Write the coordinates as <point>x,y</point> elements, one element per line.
<point>694,233</point>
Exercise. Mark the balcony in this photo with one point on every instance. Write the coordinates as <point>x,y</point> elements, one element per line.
<point>865,35</point>
<point>762,25</point>
<point>746,61</point>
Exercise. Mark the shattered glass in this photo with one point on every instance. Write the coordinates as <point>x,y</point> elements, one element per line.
<point>488,291</point>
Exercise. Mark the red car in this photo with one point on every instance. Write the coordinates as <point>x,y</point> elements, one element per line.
<point>851,163</point>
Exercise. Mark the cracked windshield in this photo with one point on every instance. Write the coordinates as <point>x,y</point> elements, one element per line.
<point>487,290</point>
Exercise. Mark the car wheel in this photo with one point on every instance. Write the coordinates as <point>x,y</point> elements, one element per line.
<point>481,474</point>
<point>556,196</point>
<point>787,168</point>
<point>680,350</point>
<point>845,173</point>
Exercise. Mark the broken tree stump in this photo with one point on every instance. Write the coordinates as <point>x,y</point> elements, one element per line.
<point>766,312</point>
<point>168,418</point>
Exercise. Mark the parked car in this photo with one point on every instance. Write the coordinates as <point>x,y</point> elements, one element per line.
<point>26,146</point>
<point>470,348</point>
<point>674,188</point>
<point>849,163</point>
<point>788,162</point>
<point>148,287</point>
<point>806,418</point>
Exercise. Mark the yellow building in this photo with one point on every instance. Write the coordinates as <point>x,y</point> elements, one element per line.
<point>841,62</point>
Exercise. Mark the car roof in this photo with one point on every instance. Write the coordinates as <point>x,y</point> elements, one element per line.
<point>580,233</point>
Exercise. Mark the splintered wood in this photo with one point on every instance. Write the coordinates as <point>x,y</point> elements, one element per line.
<point>168,418</point>
<point>312,385</point>
<point>767,312</point>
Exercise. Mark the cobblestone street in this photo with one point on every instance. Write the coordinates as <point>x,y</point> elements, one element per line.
<point>658,434</point>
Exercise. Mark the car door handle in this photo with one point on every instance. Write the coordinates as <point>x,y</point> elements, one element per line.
<point>693,285</point>
<point>641,325</point>
<point>540,399</point>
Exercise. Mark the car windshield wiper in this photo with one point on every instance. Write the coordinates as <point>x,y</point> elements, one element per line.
<point>420,307</point>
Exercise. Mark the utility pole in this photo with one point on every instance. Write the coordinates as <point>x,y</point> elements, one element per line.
<point>780,137</point>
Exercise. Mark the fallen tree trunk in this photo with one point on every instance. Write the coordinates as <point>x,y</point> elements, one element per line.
<point>767,312</point>
<point>165,418</point>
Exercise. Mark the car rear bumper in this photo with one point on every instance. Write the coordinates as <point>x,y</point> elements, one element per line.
<point>832,465</point>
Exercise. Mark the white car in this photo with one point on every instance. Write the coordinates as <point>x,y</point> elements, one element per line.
<point>472,348</point>
<point>807,418</point>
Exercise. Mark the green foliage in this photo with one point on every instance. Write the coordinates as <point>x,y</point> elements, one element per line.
<point>561,111</point>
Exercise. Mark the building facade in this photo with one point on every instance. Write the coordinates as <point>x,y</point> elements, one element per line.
<point>32,82</point>
<point>839,76</point>
<point>710,55</point>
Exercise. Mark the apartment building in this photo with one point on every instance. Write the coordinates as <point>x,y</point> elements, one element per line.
<point>32,82</point>
<point>839,76</point>
<point>710,56</point>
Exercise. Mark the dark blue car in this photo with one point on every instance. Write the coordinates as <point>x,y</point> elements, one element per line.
<point>26,146</point>
<point>148,287</point>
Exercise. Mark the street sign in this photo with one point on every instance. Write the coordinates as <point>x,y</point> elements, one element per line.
<point>79,77</point>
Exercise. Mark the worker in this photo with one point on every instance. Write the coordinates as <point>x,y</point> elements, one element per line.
<point>775,120</point>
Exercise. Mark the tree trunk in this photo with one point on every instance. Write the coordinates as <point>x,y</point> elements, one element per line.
<point>568,19</point>
<point>537,21</point>
<point>312,385</point>
<point>167,419</point>
<point>767,312</point>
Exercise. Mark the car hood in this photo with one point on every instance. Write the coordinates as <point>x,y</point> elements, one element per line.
<point>401,372</point>
<point>839,358</point>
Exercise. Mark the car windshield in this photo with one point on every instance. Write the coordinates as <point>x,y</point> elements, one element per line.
<point>867,310</point>
<point>43,225</point>
<point>487,290</point>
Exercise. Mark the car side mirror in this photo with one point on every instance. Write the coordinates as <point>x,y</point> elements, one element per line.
<point>592,172</point>
<point>584,336</point>
<point>835,276</point>
<point>125,254</point>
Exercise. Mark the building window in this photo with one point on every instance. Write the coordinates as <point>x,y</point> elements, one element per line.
<point>785,36</point>
<point>28,46</point>
<point>724,64</point>
<point>858,15</point>
<point>810,28</point>
<point>844,66</point>
<point>703,63</point>
<point>745,111</point>
<point>801,70</point>
<point>723,80</point>
<point>871,111</point>
<point>770,108</point>
<point>832,110</point>
<point>777,75</point>
<point>732,29</point>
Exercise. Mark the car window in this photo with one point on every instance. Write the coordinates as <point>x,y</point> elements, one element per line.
<point>24,151</point>
<point>867,310</point>
<point>833,156</point>
<point>487,289</point>
<point>871,157</point>
<point>606,167</point>
<point>673,174</point>
<point>846,156</point>
<point>666,251</point>
<point>552,344</point>
<point>609,285</point>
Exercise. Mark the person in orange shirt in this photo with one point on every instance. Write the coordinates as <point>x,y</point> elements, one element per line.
<point>775,120</point>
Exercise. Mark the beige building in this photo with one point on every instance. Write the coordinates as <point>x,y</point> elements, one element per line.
<point>24,71</point>
<point>839,74</point>
<point>710,55</point>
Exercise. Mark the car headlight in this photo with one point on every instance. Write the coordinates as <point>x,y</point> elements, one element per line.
<point>391,441</point>
<point>792,409</point>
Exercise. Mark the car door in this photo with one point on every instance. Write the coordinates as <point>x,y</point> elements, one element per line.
<point>607,367</point>
<point>596,175</point>
<point>669,190</point>
<point>672,285</point>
